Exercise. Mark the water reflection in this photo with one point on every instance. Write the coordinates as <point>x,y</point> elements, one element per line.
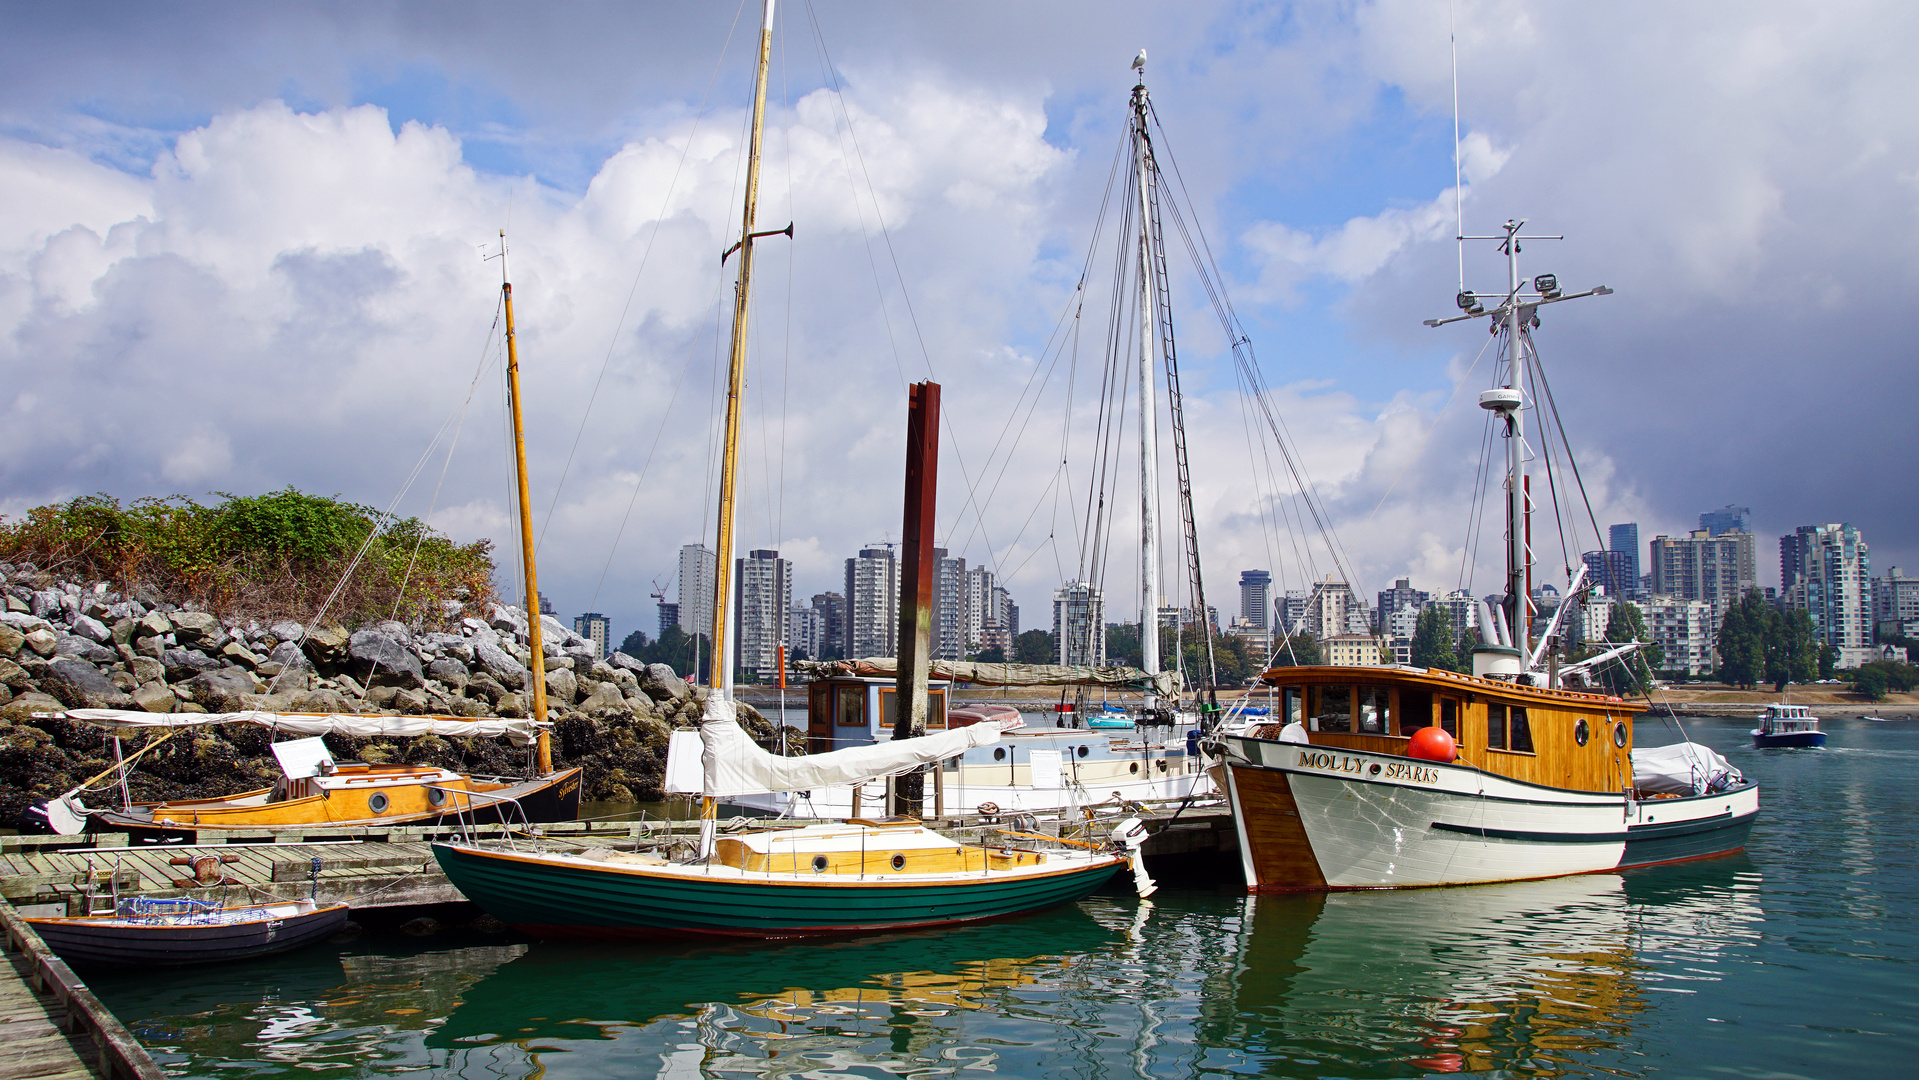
<point>1543,978</point>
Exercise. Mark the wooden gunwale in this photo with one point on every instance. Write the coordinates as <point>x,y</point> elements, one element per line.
<point>786,879</point>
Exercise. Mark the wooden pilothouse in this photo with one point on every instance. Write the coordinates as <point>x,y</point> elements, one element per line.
<point>1558,738</point>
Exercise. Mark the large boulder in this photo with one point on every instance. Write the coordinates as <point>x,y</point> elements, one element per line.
<point>327,644</point>
<point>182,664</point>
<point>220,690</point>
<point>42,641</point>
<point>153,624</point>
<point>561,686</point>
<point>603,696</point>
<point>146,669</point>
<point>322,701</point>
<point>11,641</point>
<point>77,646</point>
<point>386,659</point>
<point>504,669</point>
<point>661,683</point>
<point>81,686</point>
<point>13,676</point>
<point>628,663</point>
<point>448,672</point>
<point>92,629</point>
<point>156,697</point>
<point>287,654</point>
<point>198,628</point>
<point>286,630</point>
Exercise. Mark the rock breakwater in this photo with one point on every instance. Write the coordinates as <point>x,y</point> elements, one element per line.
<point>66,644</point>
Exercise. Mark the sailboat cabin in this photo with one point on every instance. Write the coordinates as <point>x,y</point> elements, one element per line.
<point>845,711</point>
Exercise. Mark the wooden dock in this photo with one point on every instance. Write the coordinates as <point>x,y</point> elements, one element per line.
<point>51,1025</point>
<point>394,868</point>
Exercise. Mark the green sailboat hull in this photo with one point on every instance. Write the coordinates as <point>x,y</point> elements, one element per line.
<point>557,900</point>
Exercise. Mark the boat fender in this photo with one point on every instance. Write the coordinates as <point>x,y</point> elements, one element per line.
<point>1131,834</point>
<point>1432,744</point>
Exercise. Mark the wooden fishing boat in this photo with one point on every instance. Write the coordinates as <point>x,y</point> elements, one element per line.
<point>315,791</point>
<point>1391,776</point>
<point>148,932</point>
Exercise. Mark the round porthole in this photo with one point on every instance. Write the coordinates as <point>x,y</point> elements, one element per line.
<point>1082,751</point>
<point>1581,732</point>
<point>1375,769</point>
<point>819,864</point>
<point>1619,735</point>
<point>376,802</point>
<point>999,753</point>
<point>1134,768</point>
<point>436,796</point>
<point>898,861</point>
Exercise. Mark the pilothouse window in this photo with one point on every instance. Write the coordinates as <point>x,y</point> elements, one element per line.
<point>1496,725</point>
<point>1335,708</point>
<point>1522,731</point>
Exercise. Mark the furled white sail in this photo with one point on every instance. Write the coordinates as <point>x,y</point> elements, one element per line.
<point>731,763</point>
<point>122,722</point>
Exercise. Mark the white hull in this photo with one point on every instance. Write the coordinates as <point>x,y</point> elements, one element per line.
<point>1382,821</point>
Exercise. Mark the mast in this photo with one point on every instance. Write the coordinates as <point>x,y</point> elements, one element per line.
<point>736,375</point>
<point>1518,510</point>
<point>1516,315</point>
<point>1148,412</point>
<point>533,637</point>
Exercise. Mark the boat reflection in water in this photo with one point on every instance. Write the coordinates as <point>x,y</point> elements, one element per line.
<point>1539,978</point>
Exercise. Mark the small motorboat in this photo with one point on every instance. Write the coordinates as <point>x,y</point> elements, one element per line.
<point>148,931</point>
<point>1788,726</point>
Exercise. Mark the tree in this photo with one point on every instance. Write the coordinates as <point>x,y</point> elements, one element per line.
<point>993,655</point>
<point>635,644</point>
<point>1870,682</point>
<point>1743,637</point>
<point>1828,659</point>
<point>1792,652</point>
<point>1301,649</point>
<point>1433,640</point>
<point>1122,644</point>
<point>1035,647</point>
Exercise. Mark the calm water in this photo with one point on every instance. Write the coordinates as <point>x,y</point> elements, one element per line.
<point>1799,958</point>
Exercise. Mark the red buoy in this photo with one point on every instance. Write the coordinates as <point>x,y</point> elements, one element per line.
<point>1432,744</point>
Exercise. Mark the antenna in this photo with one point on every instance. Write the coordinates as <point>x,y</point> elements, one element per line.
<point>1459,194</point>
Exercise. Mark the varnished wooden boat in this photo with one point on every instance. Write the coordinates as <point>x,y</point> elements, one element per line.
<point>314,791</point>
<point>161,932</point>
<point>1543,786</point>
<point>856,877</point>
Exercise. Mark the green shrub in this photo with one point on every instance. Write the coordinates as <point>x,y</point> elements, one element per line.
<point>277,555</point>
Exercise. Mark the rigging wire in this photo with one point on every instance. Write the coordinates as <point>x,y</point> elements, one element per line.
<point>633,289</point>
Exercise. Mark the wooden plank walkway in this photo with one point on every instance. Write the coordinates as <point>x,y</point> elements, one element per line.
<point>51,1026</point>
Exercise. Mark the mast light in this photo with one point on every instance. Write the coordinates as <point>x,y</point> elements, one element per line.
<point>1548,286</point>
<point>1468,302</point>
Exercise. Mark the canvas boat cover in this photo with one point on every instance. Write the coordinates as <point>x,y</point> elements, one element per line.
<point>126,722</point>
<point>731,763</point>
<point>1165,684</point>
<point>1686,768</point>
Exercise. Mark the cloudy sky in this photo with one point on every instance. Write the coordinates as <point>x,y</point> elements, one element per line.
<point>243,249</point>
